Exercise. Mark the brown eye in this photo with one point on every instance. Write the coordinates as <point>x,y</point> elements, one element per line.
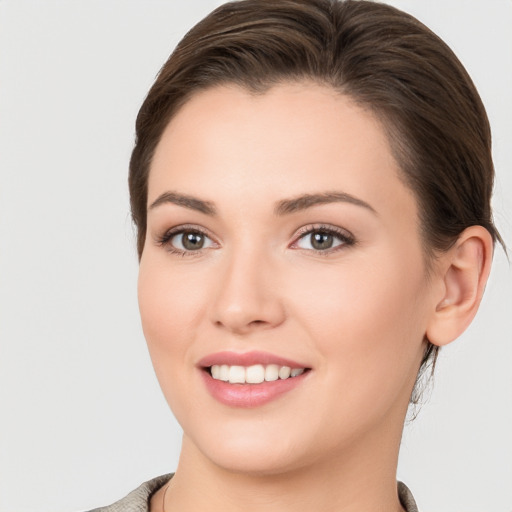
<point>321,241</point>
<point>192,241</point>
<point>189,241</point>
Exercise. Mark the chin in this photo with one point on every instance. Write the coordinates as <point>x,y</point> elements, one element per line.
<point>253,463</point>
<point>258,455</point>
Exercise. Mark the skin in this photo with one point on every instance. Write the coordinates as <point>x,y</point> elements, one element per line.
<point>357,314</point>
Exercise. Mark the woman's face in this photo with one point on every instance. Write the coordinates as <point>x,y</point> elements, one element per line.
<point>281,238</point>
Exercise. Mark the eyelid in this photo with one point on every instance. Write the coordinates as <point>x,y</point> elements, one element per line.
<point>165,238</point>
<point>344,235</point>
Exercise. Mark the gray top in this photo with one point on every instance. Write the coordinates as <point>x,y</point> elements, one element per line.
<point>138,500</point>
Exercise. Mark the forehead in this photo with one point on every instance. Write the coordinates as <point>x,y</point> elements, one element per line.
<point>292,139</point>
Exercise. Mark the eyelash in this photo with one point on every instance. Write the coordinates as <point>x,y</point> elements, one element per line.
<point>346,238</point>
<point>165,239</point>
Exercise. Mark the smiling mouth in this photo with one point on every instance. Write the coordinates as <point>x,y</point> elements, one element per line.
<point>254,374</point>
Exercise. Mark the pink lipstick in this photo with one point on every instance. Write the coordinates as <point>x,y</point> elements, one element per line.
<point>250,379</point>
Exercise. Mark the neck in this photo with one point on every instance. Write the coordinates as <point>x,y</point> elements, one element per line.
<point>359,479</point>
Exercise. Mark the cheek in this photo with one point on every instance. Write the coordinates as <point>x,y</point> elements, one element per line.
<point>368,322</point>
<point>169,300</point>
<point>169,309</point>
<point>362,297</point>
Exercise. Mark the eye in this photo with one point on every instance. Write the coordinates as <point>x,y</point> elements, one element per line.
<point>190,241</point>
<point>323,239</point>
<point>185,240</point>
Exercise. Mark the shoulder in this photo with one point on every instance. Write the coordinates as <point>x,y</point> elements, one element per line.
<point>406,498</point>
<point>138,499</point>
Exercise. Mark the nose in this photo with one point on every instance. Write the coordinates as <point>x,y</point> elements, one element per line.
<point>248,296</point>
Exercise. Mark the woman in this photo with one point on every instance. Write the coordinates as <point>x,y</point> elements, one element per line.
<point>311,188</point>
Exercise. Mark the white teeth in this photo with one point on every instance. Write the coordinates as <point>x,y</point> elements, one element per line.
<point>271,372</point>
<point>255,374</point>
<point>284,372</point>
<point>215,371</point>
<point>236,375</point>
<point>224,373</point>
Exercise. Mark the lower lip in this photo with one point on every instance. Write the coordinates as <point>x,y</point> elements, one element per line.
<point>250,395</point>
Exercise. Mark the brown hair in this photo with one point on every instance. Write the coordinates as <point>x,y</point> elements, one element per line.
<point>379,56</point>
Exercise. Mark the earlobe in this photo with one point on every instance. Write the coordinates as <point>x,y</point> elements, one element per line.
<point>464,272</point>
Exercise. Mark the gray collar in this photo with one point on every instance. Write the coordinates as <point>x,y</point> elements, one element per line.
<point>138,500</point>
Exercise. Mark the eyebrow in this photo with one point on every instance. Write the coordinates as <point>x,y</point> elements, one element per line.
<point>193,203</point>
<point>306,201</point>
<point>283,207</point>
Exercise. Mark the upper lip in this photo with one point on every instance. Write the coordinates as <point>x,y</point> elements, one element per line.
<point>247,359</point>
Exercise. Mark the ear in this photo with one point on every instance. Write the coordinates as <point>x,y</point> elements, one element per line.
<point>463,272</point>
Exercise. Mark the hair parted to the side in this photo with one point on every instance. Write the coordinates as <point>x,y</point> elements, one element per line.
<point>382,58</point>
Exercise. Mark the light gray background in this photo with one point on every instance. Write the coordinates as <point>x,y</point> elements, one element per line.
<point>82,420</point>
